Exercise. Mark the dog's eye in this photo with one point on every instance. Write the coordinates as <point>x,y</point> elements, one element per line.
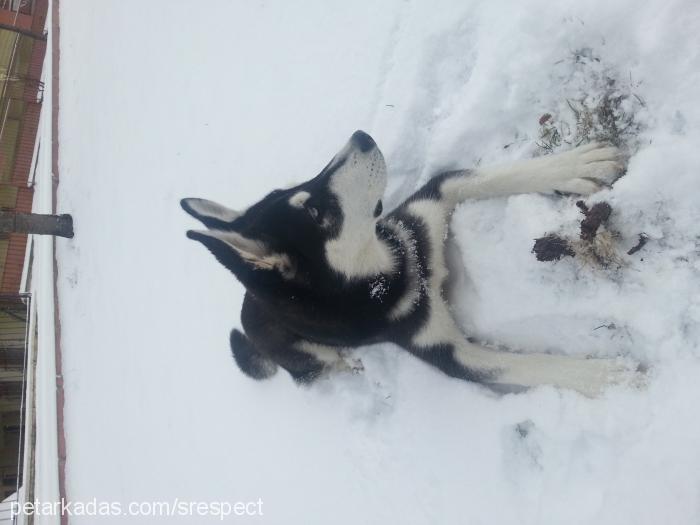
<point>313,212</point>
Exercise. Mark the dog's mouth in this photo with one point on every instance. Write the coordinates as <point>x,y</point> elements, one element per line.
<point>378,209</point>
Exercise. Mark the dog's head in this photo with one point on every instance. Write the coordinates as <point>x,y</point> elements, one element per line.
<point>323,225</point>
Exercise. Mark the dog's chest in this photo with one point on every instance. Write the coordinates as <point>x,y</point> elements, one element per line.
<point>439,326</point>
<point>431,239</point>
<point>422,226</point>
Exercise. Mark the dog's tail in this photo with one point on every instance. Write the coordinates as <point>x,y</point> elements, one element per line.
<point>249,360</point>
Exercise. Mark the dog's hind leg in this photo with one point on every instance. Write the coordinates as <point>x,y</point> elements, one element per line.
<point>331,358</point>
<point>582,170</point>
<point>272,344</point>
<point>251,362</point>
<point>306,362</point>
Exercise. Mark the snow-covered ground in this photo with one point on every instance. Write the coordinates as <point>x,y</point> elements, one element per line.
<point>230,99</point>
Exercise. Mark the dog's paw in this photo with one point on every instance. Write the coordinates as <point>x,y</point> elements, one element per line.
<point>352,365</point>
<point>629,373</point>
<point>600,374</point>
<point>356,366</point>
<point>587,169</point>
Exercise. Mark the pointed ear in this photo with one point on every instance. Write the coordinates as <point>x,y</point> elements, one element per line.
<point>209,213</point>
<point>246,258</point>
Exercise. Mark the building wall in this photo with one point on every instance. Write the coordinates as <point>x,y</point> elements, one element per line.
<point>20,104</point>
<point>13,330</point>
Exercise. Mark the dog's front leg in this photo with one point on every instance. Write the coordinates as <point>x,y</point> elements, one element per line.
<point>589,376</point>
<point>583,170</point>
<point>463,359</point>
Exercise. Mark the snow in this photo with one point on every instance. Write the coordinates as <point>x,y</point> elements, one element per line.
<point>41,384</point>
<point>231,100</point>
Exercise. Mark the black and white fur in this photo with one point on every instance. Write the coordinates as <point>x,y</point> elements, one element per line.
<point>324,271</point>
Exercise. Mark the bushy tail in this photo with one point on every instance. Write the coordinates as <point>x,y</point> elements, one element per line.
<point>248,359</point>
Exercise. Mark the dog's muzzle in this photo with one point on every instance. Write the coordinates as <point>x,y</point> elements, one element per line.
<point>363,141</point>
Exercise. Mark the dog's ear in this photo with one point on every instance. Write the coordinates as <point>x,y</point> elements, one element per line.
<point>246,258</point>
<point>214,216</point>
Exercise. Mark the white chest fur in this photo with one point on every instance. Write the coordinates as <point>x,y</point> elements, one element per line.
<point>439,327</point>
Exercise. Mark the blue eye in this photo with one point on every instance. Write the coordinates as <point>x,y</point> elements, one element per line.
<point>313,212</point>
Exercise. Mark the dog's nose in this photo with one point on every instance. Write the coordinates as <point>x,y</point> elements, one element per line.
<point>363,141</point>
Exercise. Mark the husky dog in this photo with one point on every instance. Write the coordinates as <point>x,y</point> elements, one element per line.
<point>324,271</point>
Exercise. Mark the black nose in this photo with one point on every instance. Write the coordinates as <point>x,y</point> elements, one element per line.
<point>363,141</point>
